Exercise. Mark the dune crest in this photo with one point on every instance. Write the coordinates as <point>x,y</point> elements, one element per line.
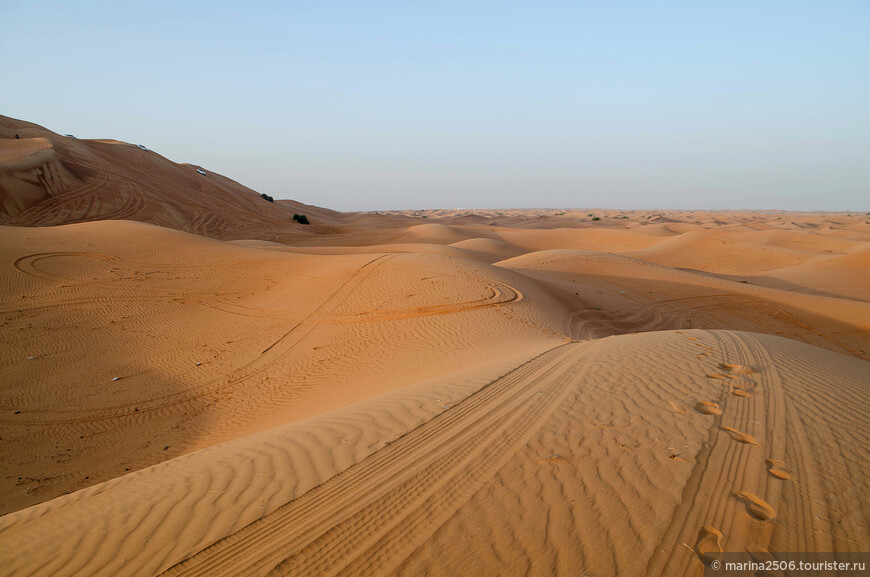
<point>194,383</point>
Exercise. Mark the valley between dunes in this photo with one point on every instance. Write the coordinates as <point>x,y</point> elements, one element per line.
<point>189,390</point>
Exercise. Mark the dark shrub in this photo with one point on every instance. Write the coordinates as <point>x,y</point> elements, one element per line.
<point>267,197</point>
<point>301,218</point>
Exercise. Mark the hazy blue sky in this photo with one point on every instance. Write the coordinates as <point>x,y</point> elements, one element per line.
<point>373,105</point>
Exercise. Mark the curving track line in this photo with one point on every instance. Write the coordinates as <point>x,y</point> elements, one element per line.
<point>325,314</point>
<point>280,348</point>
<point>243,373</point>
<point>28,264</point>
<point>500,293</point>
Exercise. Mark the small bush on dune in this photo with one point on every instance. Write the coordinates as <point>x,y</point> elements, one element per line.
<point>301,218</point>
<point>267,197</point>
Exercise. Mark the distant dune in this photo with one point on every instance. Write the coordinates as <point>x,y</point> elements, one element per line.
<point>48,179</point>
<point>193,384</point>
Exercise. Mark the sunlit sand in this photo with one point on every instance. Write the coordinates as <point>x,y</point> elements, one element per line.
<point>196,384</point>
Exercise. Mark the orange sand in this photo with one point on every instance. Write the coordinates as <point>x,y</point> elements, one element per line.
<point>192,384</point>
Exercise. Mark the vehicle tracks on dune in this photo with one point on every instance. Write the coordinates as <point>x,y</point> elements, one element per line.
<point>29,264</point>
<point>725,501</point>
<point>498,292</point>
<point>271,354</point>
<point>306,325</point>
<point>369,517</point>
<point>325,313</point>
<point>125,202</point>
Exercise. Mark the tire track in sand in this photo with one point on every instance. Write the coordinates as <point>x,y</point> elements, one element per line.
<point>275,351</point>
<point>369,517</point>
<point>28,264</point>
<point>714,501</point>
<point>325,313</point>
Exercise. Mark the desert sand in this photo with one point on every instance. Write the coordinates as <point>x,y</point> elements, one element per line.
<point>195,384</point>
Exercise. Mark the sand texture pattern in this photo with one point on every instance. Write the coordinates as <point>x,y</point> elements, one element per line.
<point>195,384</point>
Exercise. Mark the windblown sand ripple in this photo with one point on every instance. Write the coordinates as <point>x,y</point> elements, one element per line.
<point>195,384</point>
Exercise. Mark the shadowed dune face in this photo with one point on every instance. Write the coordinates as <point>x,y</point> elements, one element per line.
<point>433,392</point>
<point>146,343</point>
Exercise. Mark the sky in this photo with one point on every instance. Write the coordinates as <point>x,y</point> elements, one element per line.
<point>409,105</point>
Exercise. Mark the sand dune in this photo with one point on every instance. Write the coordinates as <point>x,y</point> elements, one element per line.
<point>575,454</point>
<point>489,250</point>
<point>164,348</point>
<point>49,179</point>
<point>193,384</point>
<point>617,294</point>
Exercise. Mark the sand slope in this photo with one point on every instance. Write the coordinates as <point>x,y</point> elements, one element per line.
<point>440,392</point>
<point>567,457</point>
<point>615,294</point>
<point>126,344</point>
<point>49,179</point>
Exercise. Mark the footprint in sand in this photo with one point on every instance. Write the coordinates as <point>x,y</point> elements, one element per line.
<point>709,543</point>
<point>718,376</point>
<point>740,437</point>
<point>757,507</point>
<point>776,468</point>
<point>708,408</point>
<point>739,369</point>
<point>740,392</point>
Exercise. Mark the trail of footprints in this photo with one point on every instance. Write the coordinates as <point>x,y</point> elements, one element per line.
<point>739,380</point>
